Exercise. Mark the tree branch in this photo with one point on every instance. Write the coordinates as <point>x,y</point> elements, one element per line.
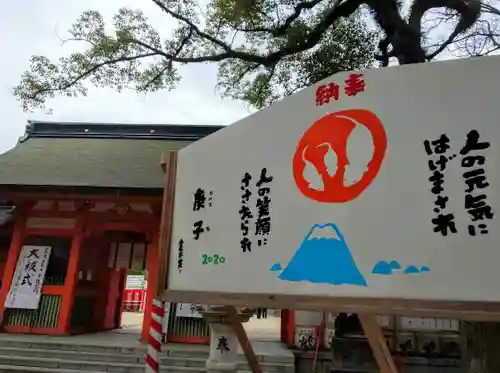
<point>90,71</point>
<point>344,10</point>
<point>192,26</point>
<point>281,30</point>
<point>168,66</point>
<point>469,11</point>
<point>290,38</point>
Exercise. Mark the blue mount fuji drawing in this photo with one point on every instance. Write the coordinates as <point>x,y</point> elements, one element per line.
<point>323,257</point>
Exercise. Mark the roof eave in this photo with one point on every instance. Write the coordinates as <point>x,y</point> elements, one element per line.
<point>43,129</point>
<point>9,191</point>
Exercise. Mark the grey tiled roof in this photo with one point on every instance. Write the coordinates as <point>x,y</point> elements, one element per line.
<point>73,160</point>
<point>86,162</point>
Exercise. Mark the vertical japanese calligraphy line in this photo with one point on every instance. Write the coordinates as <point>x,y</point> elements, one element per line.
<point>180,255</point>
<point>263,222</point>
<point>444,222</point>
<point>475,179</point>
<point>263,207</point>
<point>25,290</point>
<point>245,213</point>
<point>199,204</point>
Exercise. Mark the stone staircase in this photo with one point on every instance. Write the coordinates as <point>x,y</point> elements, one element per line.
<point>57,357</point>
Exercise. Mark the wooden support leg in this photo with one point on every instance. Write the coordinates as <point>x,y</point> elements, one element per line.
<point>242,336</point>
<point>373,333</point>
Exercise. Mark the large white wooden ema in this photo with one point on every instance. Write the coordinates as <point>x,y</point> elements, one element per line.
<point>370,192</point>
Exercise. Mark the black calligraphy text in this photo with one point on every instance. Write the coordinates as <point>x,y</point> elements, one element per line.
<point>222,345</point>
<point>245,212</point>
<point>200,202</point>
<point>444,221</point>
<point>476,200</point>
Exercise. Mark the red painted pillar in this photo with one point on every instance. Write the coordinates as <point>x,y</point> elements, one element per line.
<point>122,281</point>
<point>71,282</point>
<point>151,291</point>
<point>116,283</point>
<point>10,265</point>
<point>103,278</point>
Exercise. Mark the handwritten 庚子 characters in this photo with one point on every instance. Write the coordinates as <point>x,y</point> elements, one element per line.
<point>198,229</point>
<point>200,199</point>
<point>200,202</point>
<point>444,222</point>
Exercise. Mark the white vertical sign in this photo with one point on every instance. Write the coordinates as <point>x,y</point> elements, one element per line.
<point>26,288</point>
<point>356,187</point>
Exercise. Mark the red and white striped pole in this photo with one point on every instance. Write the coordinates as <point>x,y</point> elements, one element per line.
<point>153,358</point>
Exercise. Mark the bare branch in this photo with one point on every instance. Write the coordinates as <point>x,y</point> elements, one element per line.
<point>281,30</point>
<point>469,11</point>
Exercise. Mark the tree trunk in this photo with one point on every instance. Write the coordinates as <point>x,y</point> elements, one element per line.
<point>481,353</point>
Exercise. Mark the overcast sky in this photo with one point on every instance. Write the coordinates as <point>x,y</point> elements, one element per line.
<point>30,27</point>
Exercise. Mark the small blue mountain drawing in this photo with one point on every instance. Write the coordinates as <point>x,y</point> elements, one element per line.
<point>382,268</point>
<point>411,269</point>
<point>276,267</point>
<point>323,257</point>
<point>425,269</point>
<point>395,264</point>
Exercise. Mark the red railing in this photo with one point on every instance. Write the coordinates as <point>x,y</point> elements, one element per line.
<point>134,300</point>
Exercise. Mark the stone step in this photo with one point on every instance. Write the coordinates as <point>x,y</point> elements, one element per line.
<point>118,362</point>
<point>174,357</point>
<point>200,352</point>
<point>24,369</point>
<point>99,356</point>
<point>168,351</point>
<point>48,345</point>
<point>86,366</point>
<point>13,369</point>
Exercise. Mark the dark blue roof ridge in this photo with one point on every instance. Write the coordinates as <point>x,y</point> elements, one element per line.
<point>49,129</point>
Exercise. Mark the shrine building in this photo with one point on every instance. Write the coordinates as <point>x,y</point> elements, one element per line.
<point>80,207</point>
<point>93,194</point>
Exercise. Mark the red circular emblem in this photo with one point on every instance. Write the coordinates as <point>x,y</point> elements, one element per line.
<point>339,156</point>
